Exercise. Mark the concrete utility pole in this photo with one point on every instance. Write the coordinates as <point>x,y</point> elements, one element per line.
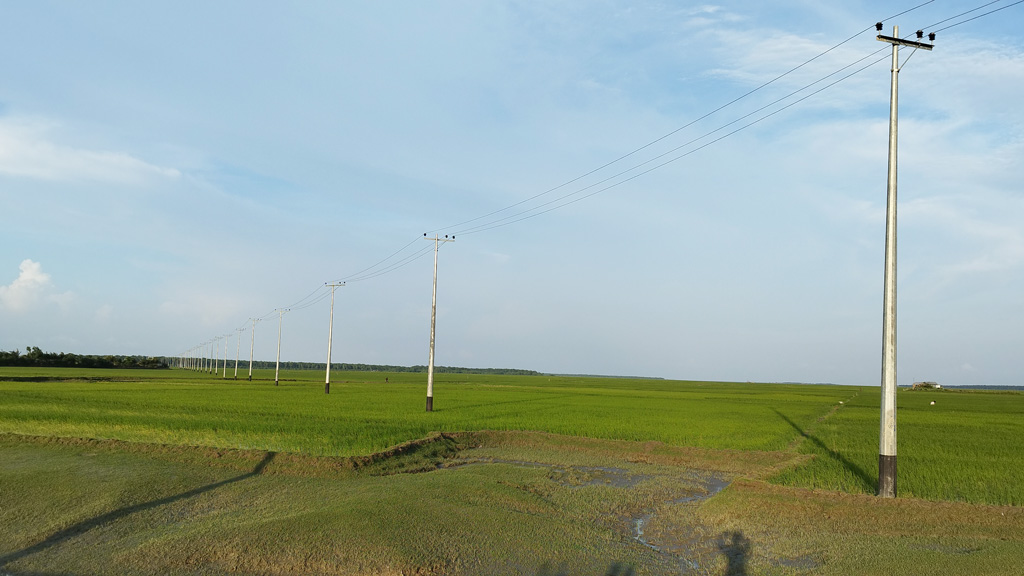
<point>277,368</point>
<point>330,334</point>
<point>252,344</point>
<point>238,344</point>
<point>887,434</point>
<point>433,321</point>
<point>224,375</point>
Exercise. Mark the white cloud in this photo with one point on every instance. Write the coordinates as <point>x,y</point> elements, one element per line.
<point>27,150</point>
<point>30,285</point>
<point>993,245</point>
<point>103,313</point>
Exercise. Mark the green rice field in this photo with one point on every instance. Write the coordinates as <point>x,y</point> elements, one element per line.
<point>177,472</point>
<point>963,448</point>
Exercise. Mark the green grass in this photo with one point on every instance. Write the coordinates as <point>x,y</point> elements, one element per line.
<point>964,448</point>
<point>146,503</point>
<point>363,414</point>
<point>107,508</point>
<point>139,514</point>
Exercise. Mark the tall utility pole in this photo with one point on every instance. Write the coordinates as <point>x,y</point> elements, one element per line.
<point>887,434</point>
<point>252,344</point>
<point>238,344</point>
<point>225,372</point>
<point>433,322</point>
<point>216,355</point>
<point>330,334</point>
<point>277,368</point>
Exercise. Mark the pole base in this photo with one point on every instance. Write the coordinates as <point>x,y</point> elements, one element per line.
<point>886,476</point>
<point>430,403</point>
<point>327,388</point>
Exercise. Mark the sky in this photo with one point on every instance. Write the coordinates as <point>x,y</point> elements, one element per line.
<point>170,170</point>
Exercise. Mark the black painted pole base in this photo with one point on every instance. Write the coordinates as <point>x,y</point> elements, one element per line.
<point>275,382</point>
<point>886,476</point>
<point>250,378</point>
<point>327,388</point>
<point>430,403</point>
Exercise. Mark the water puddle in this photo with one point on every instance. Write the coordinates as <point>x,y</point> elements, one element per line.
<point>694,489</point>
<point>684,545</point>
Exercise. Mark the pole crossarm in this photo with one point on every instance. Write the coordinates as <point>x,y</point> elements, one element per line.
<point>902,42</point>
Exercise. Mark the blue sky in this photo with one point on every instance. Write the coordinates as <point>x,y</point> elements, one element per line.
<point>169,170</point>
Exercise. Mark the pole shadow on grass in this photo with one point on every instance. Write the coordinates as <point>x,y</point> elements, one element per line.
<point>115,515</point>
<point>866,480</point>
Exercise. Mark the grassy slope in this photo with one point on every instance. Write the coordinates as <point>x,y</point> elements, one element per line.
<point>109,508</point>
<point>962,448</point>
<point>127,508</point>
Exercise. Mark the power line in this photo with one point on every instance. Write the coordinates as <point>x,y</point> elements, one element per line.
<point>363,275</point>
<point>513,217</point>
<point>975,17</point>
<point>683,127</point>
<point>370,272</point>
<point>701,147</point>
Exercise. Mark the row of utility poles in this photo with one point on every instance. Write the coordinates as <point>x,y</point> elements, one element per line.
<point>887,433</point>
<point>197,359</point>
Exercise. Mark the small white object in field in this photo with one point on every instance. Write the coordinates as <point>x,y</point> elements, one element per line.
<point>840,401</point>
<point>933,403</point>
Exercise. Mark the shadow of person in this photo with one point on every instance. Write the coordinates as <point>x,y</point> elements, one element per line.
<point>735,547</point>
<point>115,515</point>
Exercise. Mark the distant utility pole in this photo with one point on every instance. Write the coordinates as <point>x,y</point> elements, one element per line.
<point>238,344</point>
<point>330,334</point>
<point>433,322</point>
<point>216,355</point>
<point>252,344</point>
<point>887,435</point>
<point>277,368</point>
<point>225,373</point>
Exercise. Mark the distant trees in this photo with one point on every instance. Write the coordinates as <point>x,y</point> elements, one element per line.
<point>35,357</point>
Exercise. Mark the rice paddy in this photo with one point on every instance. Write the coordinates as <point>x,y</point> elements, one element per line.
<point>222,476</point>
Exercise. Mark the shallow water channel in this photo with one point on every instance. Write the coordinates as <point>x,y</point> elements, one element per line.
<point>693,489</point>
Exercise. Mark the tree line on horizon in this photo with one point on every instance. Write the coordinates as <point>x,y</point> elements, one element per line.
<point>34,357</point>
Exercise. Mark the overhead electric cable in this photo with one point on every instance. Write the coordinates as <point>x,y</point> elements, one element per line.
<point>930,26</point>
<point>366,273</point>
<point>300,301</point>
<point>400,250</point>
<point>688,124</point>
<point>488,225</point>
<point>391,268</point>
<point>978,16</point>
<point>701,147</point>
